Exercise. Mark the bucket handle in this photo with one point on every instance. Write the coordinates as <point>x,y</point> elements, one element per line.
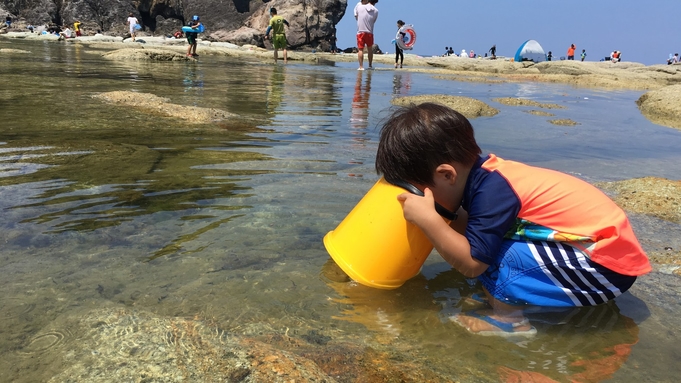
<point>452,216</point>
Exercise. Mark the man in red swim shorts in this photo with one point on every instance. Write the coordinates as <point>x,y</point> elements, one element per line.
<point>366,15</point>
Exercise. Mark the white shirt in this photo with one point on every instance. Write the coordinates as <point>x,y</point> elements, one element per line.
<point>366,18</point>
<point>132,21</point>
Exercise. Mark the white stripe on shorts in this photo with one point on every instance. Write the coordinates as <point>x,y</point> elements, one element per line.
<point>583,284</point>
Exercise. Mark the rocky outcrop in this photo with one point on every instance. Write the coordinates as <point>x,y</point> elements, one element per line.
<point>469,107</point>
<point>662,106</point>
<point>312,22</point>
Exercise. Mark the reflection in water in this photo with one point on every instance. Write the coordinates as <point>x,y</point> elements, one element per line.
<point>359,119</point>
<point>105,208</point>
<point>275,88</point>
<point>401,83</point>
<point>586,344</point>
<point>193,81</point>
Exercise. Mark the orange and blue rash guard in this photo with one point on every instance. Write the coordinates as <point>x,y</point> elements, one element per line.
<point>511,200</point>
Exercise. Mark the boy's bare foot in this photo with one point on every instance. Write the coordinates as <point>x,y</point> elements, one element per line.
<point>485,322</point>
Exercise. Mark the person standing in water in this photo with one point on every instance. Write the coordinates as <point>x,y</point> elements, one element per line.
<point>399,53</point>
<point>277,24</point>
<point>366,16</point>
<point>192,36</point>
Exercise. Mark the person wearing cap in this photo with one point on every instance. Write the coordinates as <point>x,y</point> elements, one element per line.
<point>277,24</point>
<point>192,36</point>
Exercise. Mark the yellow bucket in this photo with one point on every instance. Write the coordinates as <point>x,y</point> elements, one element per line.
<point>374,244</point>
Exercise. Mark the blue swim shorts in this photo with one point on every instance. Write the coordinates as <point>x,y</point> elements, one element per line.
<point>551,274</point>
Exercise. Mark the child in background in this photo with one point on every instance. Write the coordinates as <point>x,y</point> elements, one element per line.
<point>277,24</point>
<point>583,54</point>
<point>76,28</point>
<point>532,236</point>
<point>192,36</point>
<point>132,21</point>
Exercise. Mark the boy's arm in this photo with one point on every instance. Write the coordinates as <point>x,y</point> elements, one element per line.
<point>286,23</point>
<point>267,31</point>
<point>447,240</point>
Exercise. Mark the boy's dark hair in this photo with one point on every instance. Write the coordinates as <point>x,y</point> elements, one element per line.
<point>416,139</point>
<point>400,22</point>
<point>273,11</point>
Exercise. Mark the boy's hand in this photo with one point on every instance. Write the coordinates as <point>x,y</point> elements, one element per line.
<point>417,209</point>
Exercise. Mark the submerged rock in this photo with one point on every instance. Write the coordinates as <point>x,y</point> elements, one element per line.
<point>131,346</point>
<point>160,105</point>
<point>140,54</point>
<point>564,122</point>
<point>512,101</point>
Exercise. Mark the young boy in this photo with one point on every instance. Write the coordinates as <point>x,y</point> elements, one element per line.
<point>278,34</point>
<point>192,36</point>
<point>531,236</point>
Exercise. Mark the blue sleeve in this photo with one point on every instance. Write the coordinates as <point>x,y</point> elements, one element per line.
<point>286,23</point>
<point>267,32</point>
<point>492,207</point>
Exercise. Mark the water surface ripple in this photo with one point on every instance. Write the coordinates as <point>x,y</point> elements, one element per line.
<point>108,208</point>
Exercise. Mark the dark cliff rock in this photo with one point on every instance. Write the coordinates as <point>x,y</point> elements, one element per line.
<point>312,22</point>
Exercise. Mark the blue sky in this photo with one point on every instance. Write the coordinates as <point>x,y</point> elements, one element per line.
<point>644,31</point>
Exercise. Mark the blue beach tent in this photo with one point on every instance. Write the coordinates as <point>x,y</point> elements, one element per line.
<point>530,50</point>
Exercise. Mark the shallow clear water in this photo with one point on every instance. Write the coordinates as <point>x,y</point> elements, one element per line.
<point>105,206</point>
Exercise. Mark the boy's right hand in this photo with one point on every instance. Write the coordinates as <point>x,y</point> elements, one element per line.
<point>416,209</point>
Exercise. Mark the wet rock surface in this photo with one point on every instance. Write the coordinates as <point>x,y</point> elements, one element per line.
<point>662,106</point>
<point>654,196</point>
<point>659,198</point>
<point>513,101</point>
<point>161,106</point>
<point>146,54</point>
<point>469,107</point>
<point>563,122</point>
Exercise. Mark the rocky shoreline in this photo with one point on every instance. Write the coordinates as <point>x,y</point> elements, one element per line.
<point>659,198</point>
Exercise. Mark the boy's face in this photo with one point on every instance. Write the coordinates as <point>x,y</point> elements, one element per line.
<point>444,188</point>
